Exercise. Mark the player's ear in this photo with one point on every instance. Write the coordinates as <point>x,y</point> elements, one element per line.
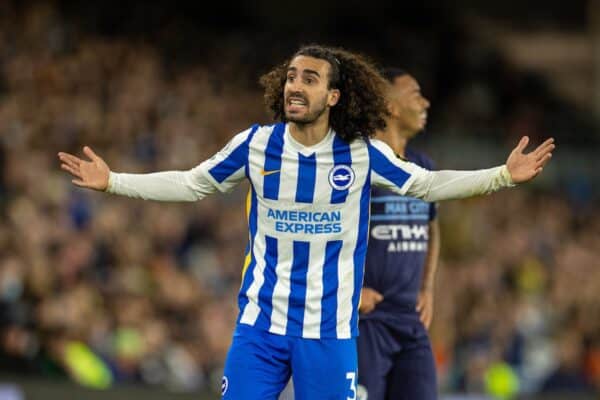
<point>392,107</point>
<point>334,97</point>
<point>392,101</point>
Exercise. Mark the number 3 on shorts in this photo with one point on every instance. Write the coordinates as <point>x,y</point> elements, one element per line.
<point>351,376</point>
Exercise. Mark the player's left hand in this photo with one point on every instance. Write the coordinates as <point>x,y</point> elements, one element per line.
<point>369,298</point>
<point>425,306</point>
<point>524,167</point>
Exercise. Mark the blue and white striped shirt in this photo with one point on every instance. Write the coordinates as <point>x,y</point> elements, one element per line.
<point>308,219</point>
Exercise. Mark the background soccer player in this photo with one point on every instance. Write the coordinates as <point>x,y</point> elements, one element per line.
<point>394,355</point>
<point>308,208</point>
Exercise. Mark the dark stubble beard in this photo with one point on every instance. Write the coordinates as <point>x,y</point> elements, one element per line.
<point>310,117</point>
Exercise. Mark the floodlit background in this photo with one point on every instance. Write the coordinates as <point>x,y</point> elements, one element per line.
<point>139,299</point>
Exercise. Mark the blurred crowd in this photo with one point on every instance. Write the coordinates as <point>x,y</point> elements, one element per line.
<point>518,288</point>
<point>149,289</point>
<point>108,290</point>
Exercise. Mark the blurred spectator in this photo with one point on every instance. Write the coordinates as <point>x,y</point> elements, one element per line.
<point>568,377</point>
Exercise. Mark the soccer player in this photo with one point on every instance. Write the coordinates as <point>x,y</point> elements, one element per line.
<point>394,354</point>
<point>308,215</point>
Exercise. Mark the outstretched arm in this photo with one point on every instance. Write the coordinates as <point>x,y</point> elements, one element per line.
<point>409,179</point>
<point>519,168</point>
<point>162,186</point>
<point>221,172</point>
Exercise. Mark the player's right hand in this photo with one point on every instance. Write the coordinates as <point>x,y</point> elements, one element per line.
<point>369,298</point>
<point>91,174</point>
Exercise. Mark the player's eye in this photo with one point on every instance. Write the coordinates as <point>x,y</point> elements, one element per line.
<point>310,81</point>
<point>290,78</point>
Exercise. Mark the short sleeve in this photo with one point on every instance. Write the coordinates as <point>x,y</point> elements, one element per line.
<point>227,168</point>
<point>389,171</point>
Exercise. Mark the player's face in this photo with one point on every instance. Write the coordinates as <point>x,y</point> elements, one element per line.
<point>410,107</point>
<point>306,93</point>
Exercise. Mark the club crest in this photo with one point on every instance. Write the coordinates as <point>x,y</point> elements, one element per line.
<point>341,177</point>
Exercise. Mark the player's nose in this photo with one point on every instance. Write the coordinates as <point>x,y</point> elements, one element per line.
<point>294,86</point>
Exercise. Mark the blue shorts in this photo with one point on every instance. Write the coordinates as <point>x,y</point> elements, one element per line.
<point>259,365</point>
<point>396,363</point>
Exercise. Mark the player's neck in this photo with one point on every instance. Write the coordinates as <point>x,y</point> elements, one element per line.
<point>397,139</point>
<point>310,134</point>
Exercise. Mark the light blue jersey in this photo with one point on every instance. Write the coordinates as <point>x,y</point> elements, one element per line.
<point>308,218</point>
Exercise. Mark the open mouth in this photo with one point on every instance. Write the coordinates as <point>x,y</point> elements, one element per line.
<point>295,104</point>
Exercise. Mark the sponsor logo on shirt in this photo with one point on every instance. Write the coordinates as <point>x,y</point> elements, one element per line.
<point>266,173</point>
<point>306,222</point>
<point>400,231</point>
<point>402,237</point>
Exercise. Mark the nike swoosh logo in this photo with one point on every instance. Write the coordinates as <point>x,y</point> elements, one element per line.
<point>265,173</point>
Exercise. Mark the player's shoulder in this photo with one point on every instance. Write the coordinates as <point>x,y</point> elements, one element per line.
<point>419,158</point>
<point>256,131</point>
<point>378,144</point>
<point>259,130</point>
<point>268,128</point>
<point>374,142</point>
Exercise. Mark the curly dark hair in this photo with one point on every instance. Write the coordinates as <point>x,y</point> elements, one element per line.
<point>362,107</point>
